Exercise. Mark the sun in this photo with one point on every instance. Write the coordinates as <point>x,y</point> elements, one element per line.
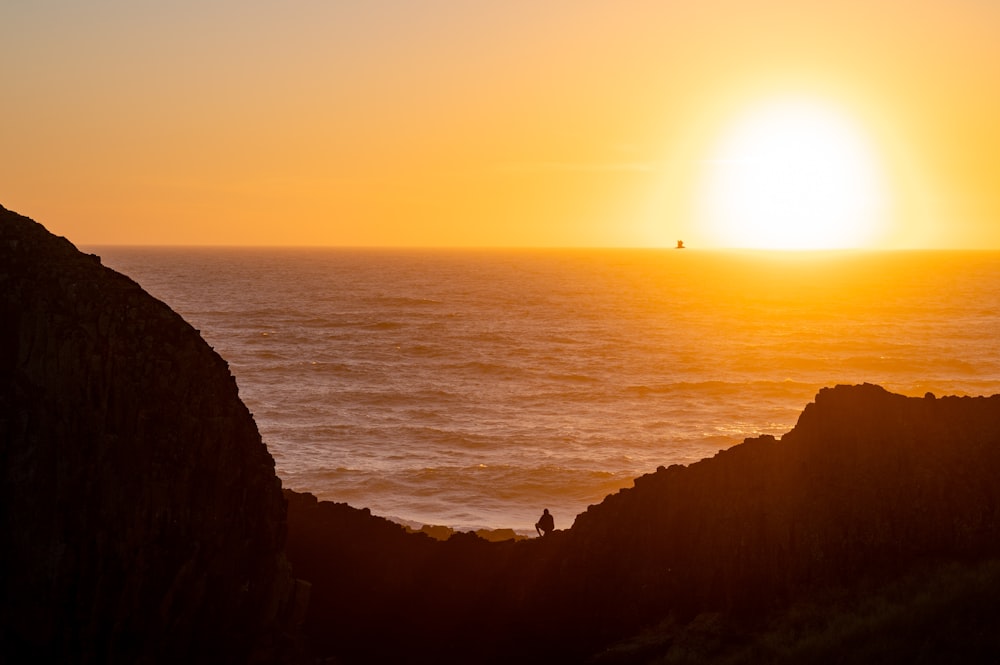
<point>794,174</point>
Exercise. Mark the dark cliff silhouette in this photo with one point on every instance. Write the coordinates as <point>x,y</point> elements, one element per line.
<point>868,484</point>
<point>142,519</point>
<point>143,522</point>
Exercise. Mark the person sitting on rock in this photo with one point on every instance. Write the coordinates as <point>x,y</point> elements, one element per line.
<point>545,523</point>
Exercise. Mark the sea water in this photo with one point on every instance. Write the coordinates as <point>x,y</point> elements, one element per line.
<point>474,388</point>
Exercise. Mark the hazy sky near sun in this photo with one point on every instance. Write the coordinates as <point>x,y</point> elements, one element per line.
<point>458,123</point>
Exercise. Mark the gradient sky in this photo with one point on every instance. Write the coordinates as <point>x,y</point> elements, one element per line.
<point>465,123</point>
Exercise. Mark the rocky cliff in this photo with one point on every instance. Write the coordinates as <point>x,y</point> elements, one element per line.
<point>142,519</point>
<point>866,485</point>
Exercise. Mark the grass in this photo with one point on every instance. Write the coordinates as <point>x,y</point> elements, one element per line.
<point>941,613</point>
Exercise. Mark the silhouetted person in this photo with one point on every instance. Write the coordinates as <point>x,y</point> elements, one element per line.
<point>545,523</point>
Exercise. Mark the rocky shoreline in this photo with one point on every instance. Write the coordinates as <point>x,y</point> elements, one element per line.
<point>144,522</point>
<point>867,485</point>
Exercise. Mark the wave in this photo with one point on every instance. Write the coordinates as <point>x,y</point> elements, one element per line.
<point>494,369</point>
<point>572,378</point>
<point>464,493</point>
<point>393,301</point>
<point>384,325</point>
<point>722,388</point>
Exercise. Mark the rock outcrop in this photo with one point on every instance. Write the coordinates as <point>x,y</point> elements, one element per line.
<point>142,519</point>
<point>866,485</point>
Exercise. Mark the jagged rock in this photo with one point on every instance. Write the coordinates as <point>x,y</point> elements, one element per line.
<point>438,532</point>
<point>867,484</point>
<point>141,514</point>
<point>498,535</point>
<point>143,521</point>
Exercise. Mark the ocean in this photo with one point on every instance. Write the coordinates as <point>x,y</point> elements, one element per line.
<point>473,388</point>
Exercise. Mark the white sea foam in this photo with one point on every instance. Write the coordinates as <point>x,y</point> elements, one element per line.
<point>475,388</point>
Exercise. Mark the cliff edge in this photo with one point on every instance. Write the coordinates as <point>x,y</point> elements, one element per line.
<point>868,485</point>
<point>141,514</point>
<point>143,521</point>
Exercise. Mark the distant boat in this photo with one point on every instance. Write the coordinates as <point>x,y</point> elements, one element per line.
<point>680,244</point>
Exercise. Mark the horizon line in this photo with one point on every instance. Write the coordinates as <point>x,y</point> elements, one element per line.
<point>665,247</point>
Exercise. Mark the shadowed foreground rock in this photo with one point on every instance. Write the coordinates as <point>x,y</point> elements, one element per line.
<point>865,486</point>
<point>142,519</point>
<point>143,522</point>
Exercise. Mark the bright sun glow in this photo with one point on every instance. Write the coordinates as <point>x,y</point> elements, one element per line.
<point>794,174</point>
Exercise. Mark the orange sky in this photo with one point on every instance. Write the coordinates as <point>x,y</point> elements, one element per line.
<point>437,123</point>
